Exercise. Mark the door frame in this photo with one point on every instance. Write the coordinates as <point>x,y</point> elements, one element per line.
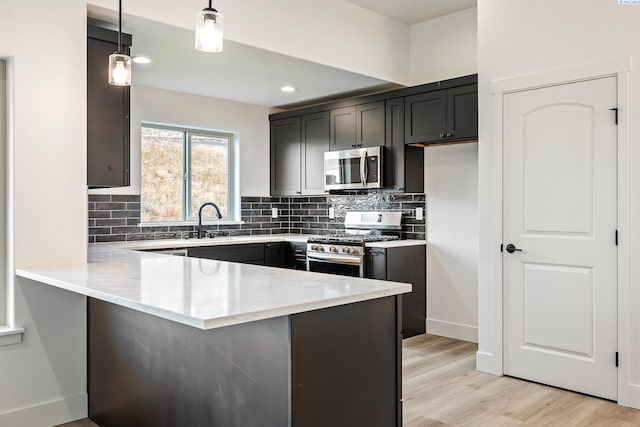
<point>491,292</point>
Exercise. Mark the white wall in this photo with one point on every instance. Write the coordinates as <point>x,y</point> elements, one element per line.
<point>451,185</point>
<point>50,208</point>
<point>444,47</point>
<point>522,38</point>
<point>331,32</point>
<point>251,122</point>
<point>3,184</point>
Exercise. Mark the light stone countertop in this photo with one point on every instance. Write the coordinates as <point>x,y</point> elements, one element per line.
<point>202,293</point>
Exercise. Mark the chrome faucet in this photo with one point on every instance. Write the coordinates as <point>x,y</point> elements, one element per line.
<point>200,216</point>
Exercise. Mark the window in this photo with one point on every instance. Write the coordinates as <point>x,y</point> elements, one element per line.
<point>181,169</point>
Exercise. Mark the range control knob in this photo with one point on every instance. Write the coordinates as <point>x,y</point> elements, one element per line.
<point>320,248</point>
<point>333,249</point>
<point>314,247</point>
<point>354,251</point>
<point>346,250</point>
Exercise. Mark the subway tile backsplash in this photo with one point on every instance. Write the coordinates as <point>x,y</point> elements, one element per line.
<point>115,218</point>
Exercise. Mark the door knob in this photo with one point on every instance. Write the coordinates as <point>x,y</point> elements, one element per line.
<point>511,248</point>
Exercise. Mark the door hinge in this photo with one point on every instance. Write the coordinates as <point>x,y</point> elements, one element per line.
<point>617,359</point>
<point>616,237</point>
<point>616,111</point>
<point>501,248</point>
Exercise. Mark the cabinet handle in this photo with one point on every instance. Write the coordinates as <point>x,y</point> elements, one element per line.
<point>353,145</point>
<point>442,135</point>
<point>298,192</point>
<point>449,135</point>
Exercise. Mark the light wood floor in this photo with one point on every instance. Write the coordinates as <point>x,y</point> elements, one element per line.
<point>442,388</point>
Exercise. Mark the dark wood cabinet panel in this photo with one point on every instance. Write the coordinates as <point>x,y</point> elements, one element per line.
<point>404,164</point>
<point>404,264</point>
<point>425,117</point>
<point>370,124</point>
<point>285,156</point>
<point>275,253</point>
<point>346,366</point>
<point>442,116</point>
<point>315,141</point>
<point>343,128</point>
<point>250,253</point>
<point>462,113</point>
<point>108,128</point>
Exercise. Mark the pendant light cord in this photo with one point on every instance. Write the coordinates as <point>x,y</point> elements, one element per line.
<point>120,26</point>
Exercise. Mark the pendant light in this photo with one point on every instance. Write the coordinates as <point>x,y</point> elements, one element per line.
<point>119,62</point>
<point>209,30</point>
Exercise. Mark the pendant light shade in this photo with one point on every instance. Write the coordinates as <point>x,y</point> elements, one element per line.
<point>119,69</point>
<point>209,25</point>
<point>119,62</point>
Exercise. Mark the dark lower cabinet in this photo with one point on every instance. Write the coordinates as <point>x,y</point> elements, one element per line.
<point>108,108</point>
<point>403,264</point>
<point>272,254</point>
<point>250,253</point>
<point>339,366</point>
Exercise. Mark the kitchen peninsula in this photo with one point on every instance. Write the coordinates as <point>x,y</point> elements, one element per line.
<point>185,341</point>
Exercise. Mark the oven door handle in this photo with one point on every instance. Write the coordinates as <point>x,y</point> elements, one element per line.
<point>363,168</point>
<point>333,259</point>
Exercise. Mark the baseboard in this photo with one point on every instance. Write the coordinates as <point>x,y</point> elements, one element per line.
<point>48,414</point>
<point>630,397</point>
<point>457,331</point>
<point>488,363</point>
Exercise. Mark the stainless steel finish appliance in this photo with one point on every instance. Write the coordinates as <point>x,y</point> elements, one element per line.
<point>343,253</point>
<point>357,169</point>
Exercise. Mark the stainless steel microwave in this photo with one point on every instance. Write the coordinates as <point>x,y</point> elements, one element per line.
<point>357,169</point>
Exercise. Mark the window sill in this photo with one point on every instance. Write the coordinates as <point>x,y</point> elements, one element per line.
<point>10,336</point>
<point>187,223</point>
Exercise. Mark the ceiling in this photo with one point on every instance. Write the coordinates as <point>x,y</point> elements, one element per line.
<point>414,11</point>
<point>247,74</point>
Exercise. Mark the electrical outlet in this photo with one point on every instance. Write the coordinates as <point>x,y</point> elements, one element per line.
<point>274,212</point>
<point>332,212</point>
<point>419,214</point>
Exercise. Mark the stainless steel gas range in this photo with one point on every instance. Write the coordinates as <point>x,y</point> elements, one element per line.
<point>344,253</point>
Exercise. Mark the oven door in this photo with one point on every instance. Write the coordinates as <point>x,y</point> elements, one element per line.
<point>343,266</point>
<point>353,169</point>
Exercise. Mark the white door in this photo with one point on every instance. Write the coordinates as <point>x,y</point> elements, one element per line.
<point>560,210</point>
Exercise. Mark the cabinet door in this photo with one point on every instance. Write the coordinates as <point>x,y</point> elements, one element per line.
<point>394,166</point>
<point>315,142</point>
<point>462,113</point>
<point>404,164</point>
<point>285,156</point>
<point>251,253</point>
<point>274,254</point>
<point>370,124</point>
<point>343,128</point>
<point>107,120</point>
<point>425,117</point>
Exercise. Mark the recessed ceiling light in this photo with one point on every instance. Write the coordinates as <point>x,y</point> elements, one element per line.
<point>288,89</point>
<point>141,60</point>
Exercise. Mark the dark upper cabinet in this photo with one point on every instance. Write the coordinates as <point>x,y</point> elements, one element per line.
<point>285,156</point>
<point>403,164</point>
<point>343,128</point>
<point>315,141</point>
<point>462,113</point>
<point>425,117</point>
<point>370,124</point>
<point>108,108</point>
<point>442,116</point>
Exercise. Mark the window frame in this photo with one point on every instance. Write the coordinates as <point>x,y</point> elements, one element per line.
<point>187,133</point>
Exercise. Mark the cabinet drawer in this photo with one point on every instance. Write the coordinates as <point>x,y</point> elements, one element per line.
<point>248,254</point>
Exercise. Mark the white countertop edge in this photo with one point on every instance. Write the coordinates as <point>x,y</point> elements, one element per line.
<point>218,322</point>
